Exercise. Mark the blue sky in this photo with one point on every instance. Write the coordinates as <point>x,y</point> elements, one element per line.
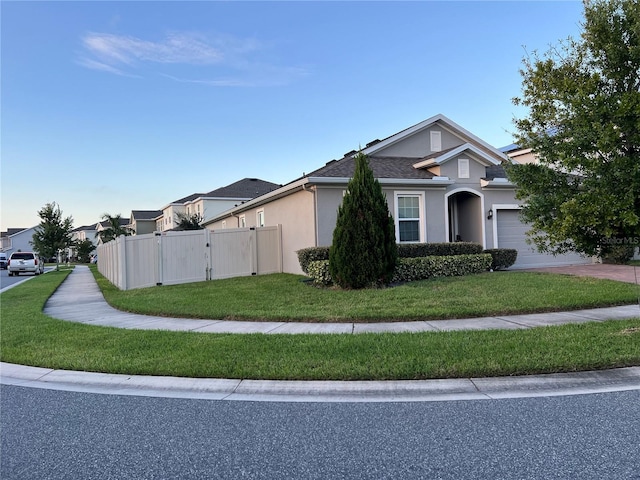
<point>120,106</point>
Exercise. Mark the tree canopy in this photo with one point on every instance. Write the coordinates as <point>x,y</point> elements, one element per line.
<point>53,233</point>
<point>185,221</point>
<point>114,228</point>
<point>364,251</point>
<point>583,124</point>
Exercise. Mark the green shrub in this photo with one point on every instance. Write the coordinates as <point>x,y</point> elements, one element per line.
<point>502,257</point>
<point>619,254</point>
<point>311,254</point>
<point>414,250</point>
<point>319,272</point>
<point>363,252</point>
<point>405,250</point>
<point>411,269</point>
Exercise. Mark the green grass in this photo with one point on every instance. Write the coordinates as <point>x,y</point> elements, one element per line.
<point>287,297</point>
<point>29,337</point>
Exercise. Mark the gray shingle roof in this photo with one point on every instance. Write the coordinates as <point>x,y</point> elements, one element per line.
<point>496,171</point>
<point>146,214</point>
<point>84,228</point>
<point>382,167</point>
<point>188,198</point>
<point>245,188</point>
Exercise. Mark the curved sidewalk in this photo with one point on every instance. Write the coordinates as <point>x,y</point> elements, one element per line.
<point>79,299</point>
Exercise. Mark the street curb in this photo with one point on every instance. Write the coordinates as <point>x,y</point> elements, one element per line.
<point>493,388</point>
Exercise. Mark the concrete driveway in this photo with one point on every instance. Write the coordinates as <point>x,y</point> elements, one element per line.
<point>620,273</point>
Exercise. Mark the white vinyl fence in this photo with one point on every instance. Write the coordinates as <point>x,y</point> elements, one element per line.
<point>169,258</point>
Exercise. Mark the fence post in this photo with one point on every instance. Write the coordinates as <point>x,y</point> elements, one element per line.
<point>253,249</point>
<point>122,259</point>
<point>207,254</point>
<point>160,277</point>
<point>279,247</point>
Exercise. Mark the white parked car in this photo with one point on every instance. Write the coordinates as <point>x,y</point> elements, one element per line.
<point>25,262</point>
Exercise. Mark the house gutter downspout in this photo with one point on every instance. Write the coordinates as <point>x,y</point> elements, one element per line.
<point>312,190</point>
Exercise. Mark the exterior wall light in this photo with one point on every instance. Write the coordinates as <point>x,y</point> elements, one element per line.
<point>490,214</point>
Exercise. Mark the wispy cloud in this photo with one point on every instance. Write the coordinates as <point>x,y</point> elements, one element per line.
<point>224,60</point>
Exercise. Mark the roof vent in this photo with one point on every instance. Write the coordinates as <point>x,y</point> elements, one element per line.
<point>331,161</point>
<point>373,142</point>
<point>350,153</point>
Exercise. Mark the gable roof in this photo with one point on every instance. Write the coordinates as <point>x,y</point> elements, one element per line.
<point>389,170</point>
<point>375,146</point>
<point>439,158</point>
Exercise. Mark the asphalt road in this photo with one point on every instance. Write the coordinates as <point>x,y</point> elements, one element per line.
<point>48,434</point>
<point>6,280</point>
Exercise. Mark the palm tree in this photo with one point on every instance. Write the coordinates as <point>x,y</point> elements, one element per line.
<point>114,226</point>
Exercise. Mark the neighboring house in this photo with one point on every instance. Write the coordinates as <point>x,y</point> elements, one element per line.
<point>209,205</point>
<point>518,154</point>
<point>5,238</point>
<point>442,184</point>
<point>80,234</point>
<point>144,221</point>
<point>15,239</point>
<point>168,219</point>
<point>100,226</point>
<point>86,232</point>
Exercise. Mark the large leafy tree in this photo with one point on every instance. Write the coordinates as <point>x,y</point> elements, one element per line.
<point>583,125</point>
<point>114,228</point>
<point>53,233</point>
<point>364,250</point>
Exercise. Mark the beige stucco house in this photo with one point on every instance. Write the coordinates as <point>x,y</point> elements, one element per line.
<point>442,184</point>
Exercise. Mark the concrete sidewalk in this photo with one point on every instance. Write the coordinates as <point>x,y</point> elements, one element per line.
<point>79,299</point>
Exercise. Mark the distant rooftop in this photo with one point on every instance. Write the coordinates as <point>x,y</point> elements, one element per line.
<point>246,188</point>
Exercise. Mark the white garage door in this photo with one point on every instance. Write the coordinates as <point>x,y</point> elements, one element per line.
<point>512,234</point>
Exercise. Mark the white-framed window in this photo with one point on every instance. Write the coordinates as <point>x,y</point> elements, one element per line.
<point>409,217</point>
<point>463,168</point>
<point>242,221</point>
<point>436,141</point>
<point>260,218</point>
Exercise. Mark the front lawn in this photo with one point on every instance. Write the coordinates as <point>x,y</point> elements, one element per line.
<point>287,297</point>
<point>29,337</point>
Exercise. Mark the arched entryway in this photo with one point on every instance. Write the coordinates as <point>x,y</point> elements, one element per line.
<point>465,221</point>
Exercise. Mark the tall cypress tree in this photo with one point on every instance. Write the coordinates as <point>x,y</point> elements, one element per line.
<point>364,250</point>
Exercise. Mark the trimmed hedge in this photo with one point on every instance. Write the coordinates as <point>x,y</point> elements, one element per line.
<point>311,254</point>
<point>502,257</point>
<point>405,250</point>
<point>414,250</point>
<point>411,269</point>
